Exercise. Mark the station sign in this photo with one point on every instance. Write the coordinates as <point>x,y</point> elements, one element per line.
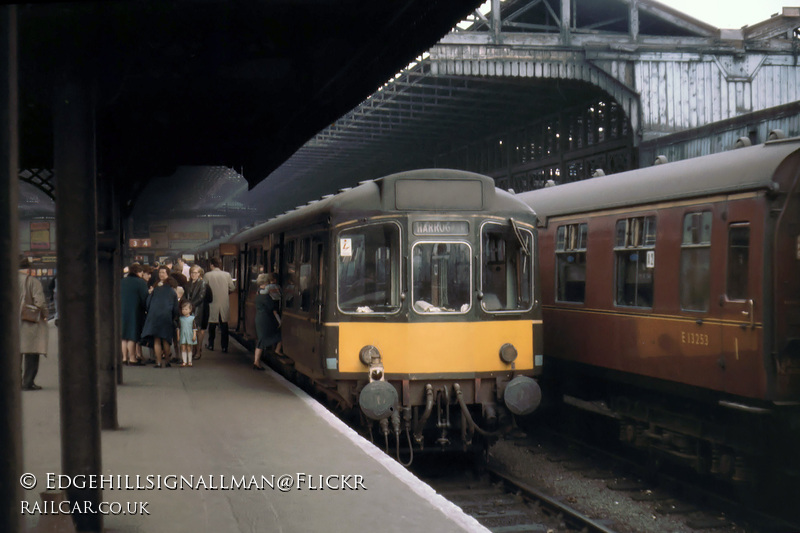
<point>139,243</point>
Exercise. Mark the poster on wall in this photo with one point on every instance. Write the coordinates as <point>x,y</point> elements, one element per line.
<point>40,235</point>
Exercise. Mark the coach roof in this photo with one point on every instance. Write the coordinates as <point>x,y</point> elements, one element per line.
<point>737,170</point>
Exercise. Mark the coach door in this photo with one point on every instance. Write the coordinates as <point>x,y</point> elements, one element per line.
<point>786,265</point>
<point>742,309</point>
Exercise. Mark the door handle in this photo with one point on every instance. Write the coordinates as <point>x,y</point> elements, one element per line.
<point>751,312</point>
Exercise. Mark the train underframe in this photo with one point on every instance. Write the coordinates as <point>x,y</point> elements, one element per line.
<point>432,415</point>
<point>728,440</point>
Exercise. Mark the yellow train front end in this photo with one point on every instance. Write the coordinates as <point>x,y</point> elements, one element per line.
<point>436,331</point>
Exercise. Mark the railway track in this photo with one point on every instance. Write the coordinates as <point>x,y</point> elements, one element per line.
<point>698,504</point>
<point>505,504</point>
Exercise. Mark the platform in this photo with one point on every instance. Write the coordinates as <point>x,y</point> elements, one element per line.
<point>218,434</point>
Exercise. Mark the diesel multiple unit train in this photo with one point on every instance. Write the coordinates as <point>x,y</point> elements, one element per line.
<point>671,303</point>
<point>668,300</point>
<point>410,300</point>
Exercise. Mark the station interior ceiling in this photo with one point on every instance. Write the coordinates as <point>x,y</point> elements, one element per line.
<point>217,83</point>
<point>282,129</point>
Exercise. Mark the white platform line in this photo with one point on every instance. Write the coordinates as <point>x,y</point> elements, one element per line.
<point>419,487</point>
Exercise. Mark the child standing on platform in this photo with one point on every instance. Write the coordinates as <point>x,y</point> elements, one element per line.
<point>187,333</point>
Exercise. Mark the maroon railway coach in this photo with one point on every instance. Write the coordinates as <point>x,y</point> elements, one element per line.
<point>671,302</point>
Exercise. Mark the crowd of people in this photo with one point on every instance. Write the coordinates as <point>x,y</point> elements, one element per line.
<point>177,306</point>
<point>166,310</point>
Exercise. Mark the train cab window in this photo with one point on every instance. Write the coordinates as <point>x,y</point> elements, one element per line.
<point>634,249</point>
<point>738,261</point>
<point>369,269</point>
<point>571,262</point>
<point>506,267</point>
<point>695,284</point>
<point>441,277</point>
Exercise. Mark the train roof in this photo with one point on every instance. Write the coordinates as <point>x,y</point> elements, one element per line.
<point>741,169</point>
<point>383,195</point>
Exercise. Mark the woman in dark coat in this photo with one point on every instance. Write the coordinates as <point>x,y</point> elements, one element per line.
<point>197,293</point>
<point>133,295</point>
<point>162,310</point>
<point>267,321</point>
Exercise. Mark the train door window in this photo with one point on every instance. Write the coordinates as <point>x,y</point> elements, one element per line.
<point>441,277</point>
<point>291,276</point>
<point>255,264</point>
<point>230,265</point>
<point>571,242</point>
<point>305,274</point>
<point>634,250</point>
<point>506,273</point>
<point>738,261</point>
<point>368,271</point>
<point>275,261</point>
<point>695,284</point>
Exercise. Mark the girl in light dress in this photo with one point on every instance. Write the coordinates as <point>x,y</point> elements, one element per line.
<point>187,333</point>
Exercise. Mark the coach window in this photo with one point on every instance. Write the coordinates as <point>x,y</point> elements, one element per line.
<point>738,261</point>
<point>291,276</point>
<point>441,277</point>
<point>369,269</point>
<point>696,261</point>
<point>305,274</point>
<point>506,272</point>
<point>571,263</point>
<point>634,248</point>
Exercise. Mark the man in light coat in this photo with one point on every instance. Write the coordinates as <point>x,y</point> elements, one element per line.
<point>221,284</point>
<point>32,335</point>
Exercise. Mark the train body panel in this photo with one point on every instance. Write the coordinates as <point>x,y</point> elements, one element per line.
<point>671,293</point>
<point>715,345</point>
<point>437,348</point>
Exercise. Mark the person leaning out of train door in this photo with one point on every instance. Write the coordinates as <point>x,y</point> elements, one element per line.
<point>267,318</point>
<point>33,323</point>
<point>221,284</point>
<point>200,296</point>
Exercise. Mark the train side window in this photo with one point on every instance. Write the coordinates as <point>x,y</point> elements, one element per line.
<point>738,261</point>
<point>276,259</point>
<point>635,256</point>
<point>695,278</point>
<point>305,274</point>
<point>291,275</point>
<point>571,243</point>
<point>368,272</point>
<point>506,274</point>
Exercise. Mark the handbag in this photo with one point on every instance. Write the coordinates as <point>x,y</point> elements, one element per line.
<point>29,312</point>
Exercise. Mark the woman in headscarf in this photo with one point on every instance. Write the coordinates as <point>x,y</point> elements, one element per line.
<point>162,310</point>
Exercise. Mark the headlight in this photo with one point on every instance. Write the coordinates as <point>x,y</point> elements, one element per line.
<point>508,353</point>
<point>368,353</point>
